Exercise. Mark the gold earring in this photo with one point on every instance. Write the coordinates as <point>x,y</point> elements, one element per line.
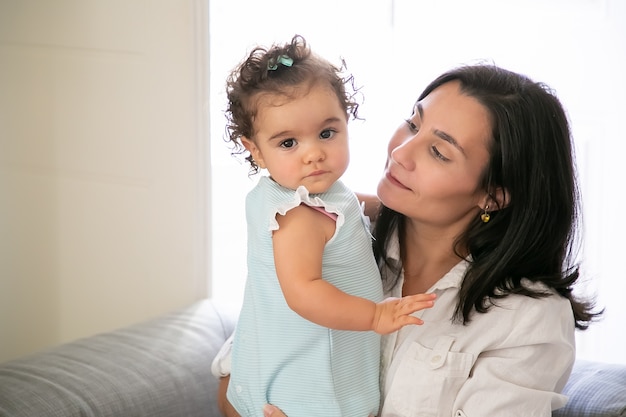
<point>485,217</point>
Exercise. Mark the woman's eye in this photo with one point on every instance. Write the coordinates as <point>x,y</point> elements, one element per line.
<point>327,134</point>
<point>288,143</point>
<point>412,126</point>
<point>438,154</point>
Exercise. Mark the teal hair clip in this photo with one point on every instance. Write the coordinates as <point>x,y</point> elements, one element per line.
<point>282,59</point>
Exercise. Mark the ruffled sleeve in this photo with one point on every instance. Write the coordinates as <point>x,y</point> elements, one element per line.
<point>301,196</point>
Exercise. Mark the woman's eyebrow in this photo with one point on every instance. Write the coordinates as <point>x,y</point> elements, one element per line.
<point>443,135</point>
<point>440,133</point>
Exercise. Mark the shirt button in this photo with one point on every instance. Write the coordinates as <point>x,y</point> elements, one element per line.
<point>239,389</point>
<point>435,359</point>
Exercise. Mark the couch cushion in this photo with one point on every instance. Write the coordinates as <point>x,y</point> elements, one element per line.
<point>158,368</point>
<point>595,389</point>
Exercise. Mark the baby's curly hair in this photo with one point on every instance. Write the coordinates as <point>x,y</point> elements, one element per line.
<point>264,72</point>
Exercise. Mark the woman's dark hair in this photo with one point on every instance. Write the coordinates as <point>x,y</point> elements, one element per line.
<point>534,236</point>
<point>277,71</point>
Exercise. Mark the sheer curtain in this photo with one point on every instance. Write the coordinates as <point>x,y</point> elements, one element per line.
<point>394,48</point>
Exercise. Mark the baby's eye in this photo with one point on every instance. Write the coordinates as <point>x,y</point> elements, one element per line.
<point>412,126</point>
<point>288,143</point>
<point>327,134</point>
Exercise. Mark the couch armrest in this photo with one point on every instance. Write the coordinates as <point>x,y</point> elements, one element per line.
<point>160,368</point>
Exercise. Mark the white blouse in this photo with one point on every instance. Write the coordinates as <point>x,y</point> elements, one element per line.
<point>511,361</point>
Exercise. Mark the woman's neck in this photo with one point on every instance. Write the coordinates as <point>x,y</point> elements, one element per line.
<point>426,257</point>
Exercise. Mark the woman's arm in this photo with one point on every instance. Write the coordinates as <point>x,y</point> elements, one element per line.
<point>371,205</point>
<point>222,402</point>
<point>529,369</point>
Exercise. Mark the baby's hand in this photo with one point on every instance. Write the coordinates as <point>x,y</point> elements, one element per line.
<point>394,313</point>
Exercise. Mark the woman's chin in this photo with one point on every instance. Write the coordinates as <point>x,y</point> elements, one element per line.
<point>386,194</point>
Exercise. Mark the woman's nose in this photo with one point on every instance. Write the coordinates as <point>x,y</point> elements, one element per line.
<point>402,152</point>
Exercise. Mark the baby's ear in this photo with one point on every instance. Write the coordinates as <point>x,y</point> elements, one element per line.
<point>247,143</point>
<point>255,152</point>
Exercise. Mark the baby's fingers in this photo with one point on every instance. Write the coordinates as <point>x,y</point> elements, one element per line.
<point>406,320</point>
<point>412,303</point>
<point>420,297</point>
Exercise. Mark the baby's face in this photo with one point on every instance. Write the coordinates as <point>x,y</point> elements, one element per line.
<point>302,140</point>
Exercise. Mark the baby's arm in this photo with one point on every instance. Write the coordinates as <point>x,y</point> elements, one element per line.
<point>298,251</point>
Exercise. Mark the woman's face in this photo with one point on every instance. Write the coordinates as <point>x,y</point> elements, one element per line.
<point>436,158</point>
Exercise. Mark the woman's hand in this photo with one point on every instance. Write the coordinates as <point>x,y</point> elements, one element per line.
<point>272,411</point>
<point>229,411</point>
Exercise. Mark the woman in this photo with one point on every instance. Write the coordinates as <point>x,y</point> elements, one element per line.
<point>479,205</point>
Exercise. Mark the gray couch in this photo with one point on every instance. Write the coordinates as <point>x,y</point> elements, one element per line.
<point>161,368</point>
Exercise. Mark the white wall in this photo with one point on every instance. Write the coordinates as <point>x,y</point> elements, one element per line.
<point>395,47</point>
<point>103,165</point>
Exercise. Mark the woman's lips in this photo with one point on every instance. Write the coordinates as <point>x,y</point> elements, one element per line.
<point>394,181</point>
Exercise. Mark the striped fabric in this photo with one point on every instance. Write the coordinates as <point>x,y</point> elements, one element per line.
<point>280,357</point>
<point>595,389</point>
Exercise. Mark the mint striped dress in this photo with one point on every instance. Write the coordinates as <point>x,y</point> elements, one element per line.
<point>281,358</point>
